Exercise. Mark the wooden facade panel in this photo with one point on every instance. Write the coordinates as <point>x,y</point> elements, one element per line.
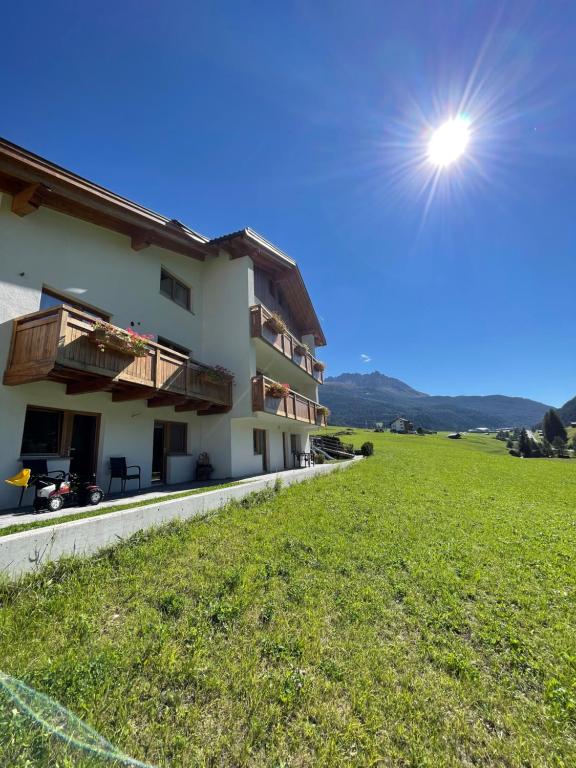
<point>270,293</point>
<point>35,345</point>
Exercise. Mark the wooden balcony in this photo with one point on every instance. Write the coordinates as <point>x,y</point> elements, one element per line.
<point>285,343</point>
<point>56,345</point>
<point>294,406</point>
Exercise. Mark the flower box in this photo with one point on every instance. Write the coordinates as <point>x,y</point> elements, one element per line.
<point>319,366</point>
<point>217,375</point>
<point>301,349</point>
<point>277,390</point>
<point>322,412</point>
<point>275,323</point>
<point>125,342</point>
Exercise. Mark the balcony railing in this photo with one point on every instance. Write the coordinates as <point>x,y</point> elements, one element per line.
<point>293,406</point>
<point>56,344</point>
<point>286,343</point>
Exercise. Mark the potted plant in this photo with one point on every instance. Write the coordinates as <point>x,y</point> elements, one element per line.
<point>322,413</point>
<point>277,390</point>
<point>276,323</point>
<point>126,341</point>
<point>217,374</point>
<point>301,349</point>
<point>319,366</point>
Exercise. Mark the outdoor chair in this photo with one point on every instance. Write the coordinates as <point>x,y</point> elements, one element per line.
<point>119,471</point>
<point>39,467</point>
<point>302,459</point>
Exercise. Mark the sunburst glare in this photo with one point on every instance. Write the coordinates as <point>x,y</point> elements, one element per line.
<point>449,141</point>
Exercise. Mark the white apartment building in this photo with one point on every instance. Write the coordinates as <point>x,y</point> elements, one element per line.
<point>73,255</point>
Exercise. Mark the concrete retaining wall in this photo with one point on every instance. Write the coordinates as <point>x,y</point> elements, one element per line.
<point>27,551</point>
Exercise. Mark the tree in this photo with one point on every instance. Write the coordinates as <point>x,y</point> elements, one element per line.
<point>560,445</point>
<point>525,444</point>
<point>552,426</point>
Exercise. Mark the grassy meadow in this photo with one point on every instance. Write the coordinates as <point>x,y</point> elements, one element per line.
<point>418,609</point>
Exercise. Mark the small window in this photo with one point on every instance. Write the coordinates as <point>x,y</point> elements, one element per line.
<point>42,432</point>
<point>172,345</point>
<point>272,288</point>
<point>50,298</point>
<point>259,439</point>
<point>177,437</point>
<point>173,289</point>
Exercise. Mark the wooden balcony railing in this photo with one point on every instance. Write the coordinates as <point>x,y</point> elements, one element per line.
<point>285,343</point>
<point>294,406</point>
<point>55,344</point>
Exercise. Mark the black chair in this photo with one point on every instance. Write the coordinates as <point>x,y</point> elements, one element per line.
<point>39,467</point>
<point>302,459</point>
<point>119,471</point>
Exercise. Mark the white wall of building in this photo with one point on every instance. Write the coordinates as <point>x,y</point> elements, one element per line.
<point>97,267</point>
<point>228,289</point>
<point>245,462</point>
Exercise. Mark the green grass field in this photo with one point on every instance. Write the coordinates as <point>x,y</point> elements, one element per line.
<point>418,609</point>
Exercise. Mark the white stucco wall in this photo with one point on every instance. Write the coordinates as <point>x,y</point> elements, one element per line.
<point>244,462</point>
<point>228,289</point>
<point>97,267</point>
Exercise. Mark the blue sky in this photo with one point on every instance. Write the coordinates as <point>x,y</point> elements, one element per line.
<point>308,122</point>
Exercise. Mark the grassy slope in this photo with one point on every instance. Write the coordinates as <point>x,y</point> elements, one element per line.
<point>416,610</point>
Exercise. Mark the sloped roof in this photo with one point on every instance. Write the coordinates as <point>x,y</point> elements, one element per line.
<point>247,242</point>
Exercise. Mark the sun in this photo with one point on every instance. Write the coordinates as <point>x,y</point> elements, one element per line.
<point>449,142</point>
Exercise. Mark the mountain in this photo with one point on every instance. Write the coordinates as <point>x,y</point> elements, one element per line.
<point>357,398</point>
<point>568,411</point>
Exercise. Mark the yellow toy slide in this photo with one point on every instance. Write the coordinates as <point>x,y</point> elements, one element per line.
<point>21,479</point>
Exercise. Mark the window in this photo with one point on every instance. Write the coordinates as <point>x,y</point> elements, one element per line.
<point>42,432</point>
<point>172,345</point>
<point>177,434</point>
<point>259,439</point>
<point>174,289</point>
<point>50,298</point>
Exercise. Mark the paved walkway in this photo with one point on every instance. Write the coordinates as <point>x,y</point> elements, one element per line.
<point>26,514</point>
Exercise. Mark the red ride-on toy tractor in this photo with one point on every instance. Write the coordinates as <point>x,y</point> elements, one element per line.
<point>53,493</point>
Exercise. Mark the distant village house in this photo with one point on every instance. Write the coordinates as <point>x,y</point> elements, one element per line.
<point>401,425</point>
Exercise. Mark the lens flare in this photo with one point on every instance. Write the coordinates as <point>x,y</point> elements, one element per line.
<point>449,142</point>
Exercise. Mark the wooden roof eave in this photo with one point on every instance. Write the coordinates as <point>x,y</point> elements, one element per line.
<point>64,192</point>
<point>284,270</point>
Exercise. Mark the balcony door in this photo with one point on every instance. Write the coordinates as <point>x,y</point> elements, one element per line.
<point>83,444</point>
<point>159,452</point>
<point>260,439</point>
